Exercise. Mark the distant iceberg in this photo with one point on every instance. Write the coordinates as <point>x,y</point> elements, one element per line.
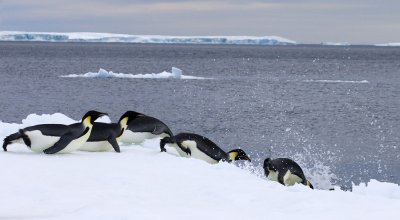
<point>106,37</point>
<point>336,44</point>
<point>389,45</point>
<point>175,73</point>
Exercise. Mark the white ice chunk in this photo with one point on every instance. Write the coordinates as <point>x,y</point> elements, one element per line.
<point>175,73</point>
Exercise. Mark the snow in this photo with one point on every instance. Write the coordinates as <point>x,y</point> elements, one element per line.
<point>142,183</point>
<point>175,73</point>
<point>107,37</point>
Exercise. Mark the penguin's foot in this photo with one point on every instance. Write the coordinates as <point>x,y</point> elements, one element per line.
<point>188,151</point>
<point>47,151</point>
<point>163,149</point>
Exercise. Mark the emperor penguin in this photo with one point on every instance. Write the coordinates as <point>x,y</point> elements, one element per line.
<point>55,138</point>
<point>144,127</point>
<point>105,136</point>
<point>200,147</point>
<point>285,171</point>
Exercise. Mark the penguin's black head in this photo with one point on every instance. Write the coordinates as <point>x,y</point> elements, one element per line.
<point>130,115</point>
<point>266,166</point>
<point>165,141</point>
<point>238,154</point>
<point>266,162</point>
<point>91,116</point>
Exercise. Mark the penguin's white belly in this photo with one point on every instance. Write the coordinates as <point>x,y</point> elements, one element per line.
<point>290,179</point>
<point>40,142</point>
<point>180,152</point>
<point>76,143</point>
<point>137,137</point>
<point>273,175</point>
<point>196,153</point>
<point>96,146</point>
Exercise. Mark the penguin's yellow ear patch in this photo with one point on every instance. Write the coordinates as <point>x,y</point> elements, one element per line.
<point>124,121</point>
<point>233,155</point>
<point>87,120</point>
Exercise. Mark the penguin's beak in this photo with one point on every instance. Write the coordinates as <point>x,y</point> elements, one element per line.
<point>247,158</point>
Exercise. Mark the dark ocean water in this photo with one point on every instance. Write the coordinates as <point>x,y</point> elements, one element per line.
<point>333,109</point>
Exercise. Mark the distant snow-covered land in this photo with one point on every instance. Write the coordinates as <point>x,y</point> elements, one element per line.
<point>142,183</point>
<point>106,37</point>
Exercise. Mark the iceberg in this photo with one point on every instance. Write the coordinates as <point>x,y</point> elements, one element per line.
<point>125,38</point>
<point>143,183</point>
<point>336,44</point>
<point>388,45</point>
<point>175,73</point>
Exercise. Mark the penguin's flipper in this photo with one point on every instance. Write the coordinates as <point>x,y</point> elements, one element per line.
<point>114,144</point>
<point>280,177</point>
<point>10,138</point>
<point>184,149</point>
<point>60,144</point>
<point>15,137</point>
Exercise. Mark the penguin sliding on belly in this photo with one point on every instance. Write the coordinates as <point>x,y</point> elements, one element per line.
<point>55,138</point>
<point>197,146</point>
<point>105,136</point>
<point>285,171</point>
<point>144,127</point>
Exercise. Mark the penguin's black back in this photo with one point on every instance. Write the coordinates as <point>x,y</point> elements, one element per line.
<point>103,131</point>
<point>52,129</point>
<point>149,124</point>
<point>282,165</point>
<point>204,144</point>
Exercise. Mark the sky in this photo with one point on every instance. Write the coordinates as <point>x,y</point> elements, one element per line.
<point>306,21</point>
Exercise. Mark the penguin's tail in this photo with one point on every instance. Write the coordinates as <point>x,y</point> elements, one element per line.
<point>164,141</point>
<point>169,132</point>
<point>12,138</point>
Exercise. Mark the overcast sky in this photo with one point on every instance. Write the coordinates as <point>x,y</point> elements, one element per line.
<point>307,21</point>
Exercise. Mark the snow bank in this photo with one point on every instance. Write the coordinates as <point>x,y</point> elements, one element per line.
<point>142,183</point>
<point>106,37</point>
<point>175,73</point>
